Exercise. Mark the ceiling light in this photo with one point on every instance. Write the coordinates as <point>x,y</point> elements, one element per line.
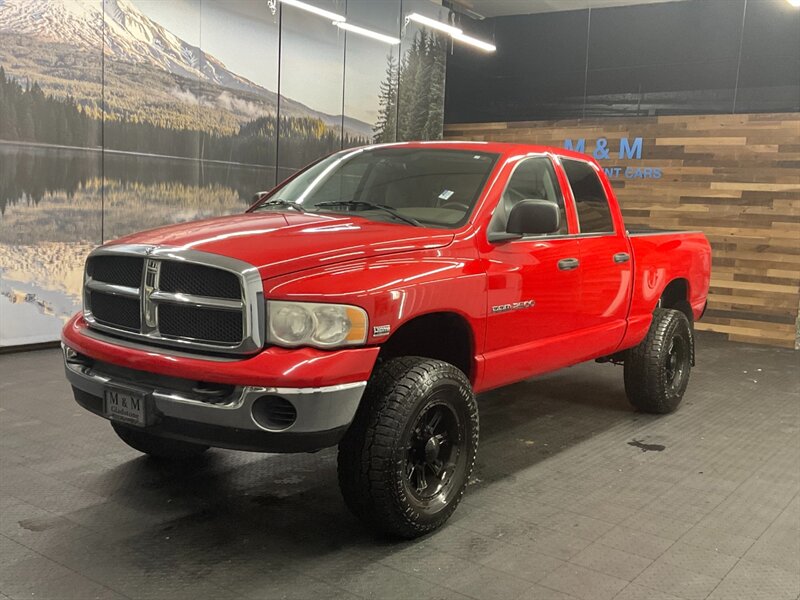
<point>795,3</point>
<point>485,46</point>
<point>317,11</point>
<point>367,32</point>
<point>433,23</point>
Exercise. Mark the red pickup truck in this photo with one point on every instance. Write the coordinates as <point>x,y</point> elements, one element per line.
<point>366,300</point>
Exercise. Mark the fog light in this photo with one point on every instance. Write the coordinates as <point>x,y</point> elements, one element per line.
<point>70,355</point>
<point>274,412</point>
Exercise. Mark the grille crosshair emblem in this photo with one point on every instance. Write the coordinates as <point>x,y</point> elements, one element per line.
<point>152,271</point>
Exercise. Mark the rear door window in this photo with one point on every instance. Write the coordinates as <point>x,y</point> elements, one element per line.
<point>594,213</point>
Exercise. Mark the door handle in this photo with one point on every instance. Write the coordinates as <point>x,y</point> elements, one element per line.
<point>622,257</point>
<point>568,264</point>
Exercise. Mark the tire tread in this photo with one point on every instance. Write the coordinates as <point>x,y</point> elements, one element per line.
<point>645,372</point>
<point>365,453</point>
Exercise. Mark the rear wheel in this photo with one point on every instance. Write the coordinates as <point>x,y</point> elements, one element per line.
<point>155,446</point>
<point>657,370</point>
<point>405,461</point>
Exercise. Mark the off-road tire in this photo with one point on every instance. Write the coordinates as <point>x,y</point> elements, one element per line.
<point>375,457</point>
<point>157,447</point>
<point>656,379</point>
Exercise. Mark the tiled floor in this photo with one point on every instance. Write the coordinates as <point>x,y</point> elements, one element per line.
<point>562,506</point>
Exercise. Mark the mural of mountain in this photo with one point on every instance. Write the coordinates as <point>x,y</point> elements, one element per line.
<point>111,122</point>
<point>134,39</point>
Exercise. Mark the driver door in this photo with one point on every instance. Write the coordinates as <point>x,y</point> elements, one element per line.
<point>533,284</point>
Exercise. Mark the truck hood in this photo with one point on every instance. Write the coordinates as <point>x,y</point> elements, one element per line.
<point>280,243</point>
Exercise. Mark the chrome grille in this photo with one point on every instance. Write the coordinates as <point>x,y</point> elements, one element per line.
<point>199,280</point>
<point>175,297</point>
<point>115,311</point>
<point>205,324</point>
<point>119,270</point>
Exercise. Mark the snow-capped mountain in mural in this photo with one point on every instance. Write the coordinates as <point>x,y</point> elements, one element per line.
<point>130,36</point>
<point>134,38</point>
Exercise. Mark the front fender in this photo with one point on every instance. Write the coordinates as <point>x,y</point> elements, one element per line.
<point>395,290</point>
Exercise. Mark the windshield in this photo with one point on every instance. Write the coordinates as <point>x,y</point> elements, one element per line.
<point>422,186</point>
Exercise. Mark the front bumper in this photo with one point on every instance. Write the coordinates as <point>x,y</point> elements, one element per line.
<point>272,367</point>
<point>204,406</point>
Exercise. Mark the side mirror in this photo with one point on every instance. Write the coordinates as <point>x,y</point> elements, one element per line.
<point>531,217</point>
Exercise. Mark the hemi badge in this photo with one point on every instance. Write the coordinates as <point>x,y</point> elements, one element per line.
<point>380,330</point>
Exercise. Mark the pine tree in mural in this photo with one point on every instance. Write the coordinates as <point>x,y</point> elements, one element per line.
<point>436,73</point>
<point>28,115</point>
<point>417,106</point>
<point>386,127</point>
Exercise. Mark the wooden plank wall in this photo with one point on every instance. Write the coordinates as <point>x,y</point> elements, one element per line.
<point>735,177</point>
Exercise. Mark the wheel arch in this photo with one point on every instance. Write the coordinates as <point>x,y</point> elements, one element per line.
<point>441,335</point>
<point>676,296</point>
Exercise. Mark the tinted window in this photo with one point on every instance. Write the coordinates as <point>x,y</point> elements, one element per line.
<point>594,215</point>
<point>532,179</point>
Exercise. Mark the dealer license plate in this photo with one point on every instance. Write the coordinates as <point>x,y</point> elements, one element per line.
<point>126,406</point>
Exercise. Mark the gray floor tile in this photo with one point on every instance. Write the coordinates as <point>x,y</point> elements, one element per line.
<point>679,582</point>
<point>637,592</point>
<point>485,583</point>
<point>583,583</point>
<point>560,507</point>
<point>636,542</point>
<point>538,592</point>
<point>700,560</point>
<point>522,563</point>
<point>751,581</point>
<point>611,561</point>
<point>656,523</point>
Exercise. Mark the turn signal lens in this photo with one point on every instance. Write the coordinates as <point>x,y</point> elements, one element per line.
<point>358,325</point>
<point>311,324</point>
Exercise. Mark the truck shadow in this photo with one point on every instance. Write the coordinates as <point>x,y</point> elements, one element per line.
<point>229,516</point>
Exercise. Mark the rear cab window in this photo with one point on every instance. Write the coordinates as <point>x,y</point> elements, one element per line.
<point>591,203</point>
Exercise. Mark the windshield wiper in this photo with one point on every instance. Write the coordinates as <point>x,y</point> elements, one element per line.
<point>284,203</point>
<point>360,204</point>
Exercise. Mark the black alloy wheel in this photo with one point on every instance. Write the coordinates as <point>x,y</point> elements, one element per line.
<point>435,452</point>
<point>678,360</point>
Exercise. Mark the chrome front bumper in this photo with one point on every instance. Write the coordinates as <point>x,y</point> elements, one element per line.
<point>323,413</point>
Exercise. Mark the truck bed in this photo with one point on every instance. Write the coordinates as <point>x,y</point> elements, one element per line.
<point>659,257</point>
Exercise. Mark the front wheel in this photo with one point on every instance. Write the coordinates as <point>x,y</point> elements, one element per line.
<point>405,461</point>
<point>657,370</point>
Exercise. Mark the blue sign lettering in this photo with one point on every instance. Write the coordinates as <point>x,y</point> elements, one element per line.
<point>628,151</point>
<point>579,147</point>
<point>630,148</point>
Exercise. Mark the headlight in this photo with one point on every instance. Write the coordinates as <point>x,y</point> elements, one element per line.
<point>320,325</point>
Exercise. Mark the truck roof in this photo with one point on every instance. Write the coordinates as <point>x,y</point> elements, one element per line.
<point>503,148</point>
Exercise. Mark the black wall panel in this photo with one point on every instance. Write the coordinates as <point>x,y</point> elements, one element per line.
<point>693,57</point>
<point>769,72</point>
<point>663,58</point>
<point>539,67</point>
